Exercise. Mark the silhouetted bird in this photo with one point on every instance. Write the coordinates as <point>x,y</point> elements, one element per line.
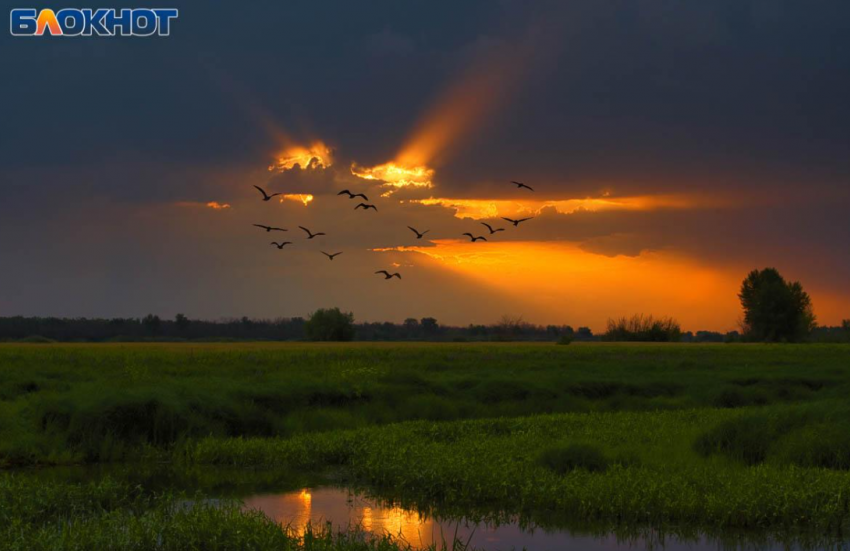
<point>311,235</point>
<point>331,256</point>
<point>270,228</point>
<point>388,275</point>
<point>266,196</point>
<point>418,235</point>
<point>520,185</point>
<point>474,239</point>
<point>281,245</point>
<point>492,231</point>
<point>364,206</point>
<point>516,222</point>
<point>352,195</point>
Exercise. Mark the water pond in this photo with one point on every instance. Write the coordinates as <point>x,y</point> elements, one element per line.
<point>296,500</point>
<point>342,508</point>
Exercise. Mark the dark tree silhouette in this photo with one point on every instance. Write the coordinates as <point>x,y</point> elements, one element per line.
<point>775,310</point>
<point>181,322</point>
<point>584,334</point>
<point>330,324</point>
<point>152,324</point>
<point>429,326</point>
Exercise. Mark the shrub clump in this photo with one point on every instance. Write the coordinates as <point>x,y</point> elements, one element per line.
<point>821,446</point>
<point>565,339</point>
<point>565,459</point>
<point>640,328</point>
<point>745,439</point>
<point>330,324</point>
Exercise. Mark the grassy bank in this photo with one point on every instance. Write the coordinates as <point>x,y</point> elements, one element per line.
<point>71,403</point>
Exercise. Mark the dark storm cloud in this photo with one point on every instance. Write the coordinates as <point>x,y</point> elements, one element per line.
<point>638,92</point>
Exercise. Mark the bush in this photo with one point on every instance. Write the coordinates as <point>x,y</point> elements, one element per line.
<point>824,446</point>
<point>730,398</point>
<point>565,339</point>
<point>564,459</point>
<point>330,324</point>
<point>745,439</point>
<point>640,328</point>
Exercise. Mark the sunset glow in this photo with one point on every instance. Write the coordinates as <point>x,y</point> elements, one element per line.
<point>213,205</point>
<point>304,198</point>
<point>297,511</point>
<point>568,281</point>
<point>396,175</point>
<point>317,155</point>
<point>479,209</point>
<point>463,107</point>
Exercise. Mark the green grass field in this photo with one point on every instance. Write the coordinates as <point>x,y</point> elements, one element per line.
<point>690,437</point>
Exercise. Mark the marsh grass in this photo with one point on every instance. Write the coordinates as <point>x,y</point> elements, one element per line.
<point>42,515</point>
<point>70,403</point>
<point>653,476</point>
<point>812,435</point>
<point>565,459</point>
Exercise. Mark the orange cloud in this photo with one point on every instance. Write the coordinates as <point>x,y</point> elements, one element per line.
<point>561,283</point>
<point>396,175</point>
<point>317,155</point>
<point>479,209</point>
<point>215,205</point>
<point>304,198</point>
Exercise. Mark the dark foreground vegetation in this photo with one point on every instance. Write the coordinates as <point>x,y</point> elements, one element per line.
<point>62,403</point>
<point>686,438</point>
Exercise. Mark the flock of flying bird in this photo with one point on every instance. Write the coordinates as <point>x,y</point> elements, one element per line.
<point>366,206</point>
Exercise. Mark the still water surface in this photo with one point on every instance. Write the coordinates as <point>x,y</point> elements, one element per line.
<point>342,509</point>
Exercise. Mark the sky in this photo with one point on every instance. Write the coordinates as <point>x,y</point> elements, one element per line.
<point>671,146</point>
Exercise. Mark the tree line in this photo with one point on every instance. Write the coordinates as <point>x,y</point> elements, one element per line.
<point>323,325</point>
<point>775,310</point>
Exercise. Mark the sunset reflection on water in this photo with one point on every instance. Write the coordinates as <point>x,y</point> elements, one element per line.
<point>297,510</point>
<point>342,509</point>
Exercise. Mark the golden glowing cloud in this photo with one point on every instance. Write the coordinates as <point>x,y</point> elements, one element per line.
<point>318,155</point>
<point>214,205</point>
<point>479,209</point>
<point>573,285</point>
<point>396,175</point>
<point>304,198</point>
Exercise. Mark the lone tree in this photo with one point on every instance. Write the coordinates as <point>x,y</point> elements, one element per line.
<point>774,309</point>
<point>330,324</point>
